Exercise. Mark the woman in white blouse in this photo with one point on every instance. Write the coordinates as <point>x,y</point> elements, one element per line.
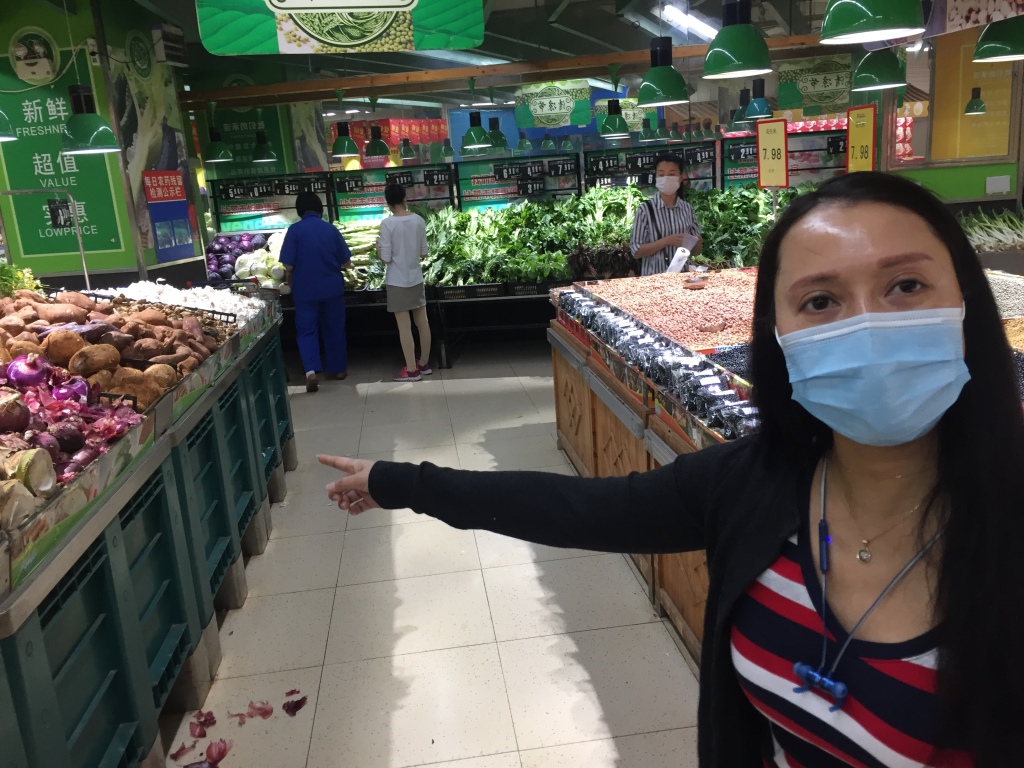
<point>402,243</point>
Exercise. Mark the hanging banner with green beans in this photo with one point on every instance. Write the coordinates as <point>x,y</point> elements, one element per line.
<point>245,27</point>
<point>556,105</point>
<point>822,82</point>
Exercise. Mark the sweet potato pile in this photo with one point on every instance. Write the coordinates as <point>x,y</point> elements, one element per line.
<point>99,341</point>
<point>718,315</point>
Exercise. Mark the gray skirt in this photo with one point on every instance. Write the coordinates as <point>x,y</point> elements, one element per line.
<point>406,299</point>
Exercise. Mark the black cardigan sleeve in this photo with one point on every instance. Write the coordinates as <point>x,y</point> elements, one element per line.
<point>663,510</point>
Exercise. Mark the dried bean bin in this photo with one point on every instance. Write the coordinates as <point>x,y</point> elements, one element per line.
<point>245,483</point>
<point>203,473</point>
<point>161,579</point>
<point>77,668</point>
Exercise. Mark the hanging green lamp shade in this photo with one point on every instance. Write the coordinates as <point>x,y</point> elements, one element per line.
<point>85,132</point>
<point>548,145</point>
<point>447,150</point>
<point>662,85</point>
<point>740,117</point>
<point>476,137</point>
<point>567,145</point>
<point>709,132</point>
<point>406,151</point>
<point>615,125</point>
<point>865,21</point>
<point>975,106</point>
<point>674,135</point>
<point>377,146</point>
<point>216,150</point>
<point>6,129</point>
<point>1001,41</point>
<point>498,140</point>
<point>878,71</point>
<point>738,49</point>
<point>662,134</point>
<point>647,132</point>
<point>344,145</point>
<point>263,153</point>
<point>759,108</point>
<point>524,144</point>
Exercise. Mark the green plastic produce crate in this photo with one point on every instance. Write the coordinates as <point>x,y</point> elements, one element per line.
<point>12,750</point>
<point>77,668</point>
<point>245,483</point>
<point>202,469</point>
<point>277,375</point>
<point>161,579</point>
<point>268,439</point>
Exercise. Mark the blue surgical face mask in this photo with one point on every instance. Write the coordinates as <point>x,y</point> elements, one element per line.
<point>879,379</point>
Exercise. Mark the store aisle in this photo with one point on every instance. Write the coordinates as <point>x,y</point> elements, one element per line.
<point>418,644</point>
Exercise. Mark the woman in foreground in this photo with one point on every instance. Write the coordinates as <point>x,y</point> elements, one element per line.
<point>866,549</point>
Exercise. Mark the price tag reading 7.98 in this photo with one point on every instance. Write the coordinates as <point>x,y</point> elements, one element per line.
<point>772,154</point>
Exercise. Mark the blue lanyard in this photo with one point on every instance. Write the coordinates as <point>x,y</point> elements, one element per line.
<point>818,678</point>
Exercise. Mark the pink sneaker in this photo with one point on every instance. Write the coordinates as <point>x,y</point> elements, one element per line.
<point>425,369</point>
<point>405,375</point>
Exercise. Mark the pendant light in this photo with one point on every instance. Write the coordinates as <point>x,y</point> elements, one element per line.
<point>662,133</point>
<point>615,125</point>
<point>867,21</point>
<point>662,85</point>
<point>447,150</point>
<point>878,71</point>
<point>524,144</point>
<point>975,106</point>
<point>344,146</point>
<point>498,140</point>
<point>759,108</point>
<point>709,132</point>
<point>405,151</point>
<point>476,137</point>
<point>85,132</point>
<point>674,136</point>
<point>377,146</point>
<point>6,129</point>
<point>567,145</point>
<point>738,49</point>
<point>741,114</point>
<point>1001,41</point>
<point>263,153</point>
<point>548,145</point>
<point>647,132</point>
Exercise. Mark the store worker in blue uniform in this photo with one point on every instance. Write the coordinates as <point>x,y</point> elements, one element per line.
<point>313,255</point>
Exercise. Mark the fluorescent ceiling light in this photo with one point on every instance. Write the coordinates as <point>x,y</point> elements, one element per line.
<point>329,114</point>
<point>511,103</point>
<point>688,22</point>
<point>463,57</point>
<point>353,111</point>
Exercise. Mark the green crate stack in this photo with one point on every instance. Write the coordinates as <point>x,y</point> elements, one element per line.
<point>246,484</point>
<point>268,438</point>
<point>12,751</point>
<point>277,375</point>
<point>77,668</point>
<point>203,471</point>
<point>161,579</point>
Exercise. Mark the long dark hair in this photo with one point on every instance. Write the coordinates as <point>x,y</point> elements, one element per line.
<point>980,595</point>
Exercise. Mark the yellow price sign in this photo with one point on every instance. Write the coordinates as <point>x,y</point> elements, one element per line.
<point>860,138</point>
<point>772,154</point>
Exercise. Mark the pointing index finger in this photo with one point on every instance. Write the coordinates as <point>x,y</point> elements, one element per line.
<point>337,462</point>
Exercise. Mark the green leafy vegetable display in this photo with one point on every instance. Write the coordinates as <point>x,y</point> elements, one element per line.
<point>994,232</point>
<point>13,279</point>
<point>575,238</point>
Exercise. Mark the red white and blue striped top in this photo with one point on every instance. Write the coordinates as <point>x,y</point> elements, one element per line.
<point>890,718</point>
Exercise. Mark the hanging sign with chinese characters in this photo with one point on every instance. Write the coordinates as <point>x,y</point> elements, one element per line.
<point>168,210</point>
<point>822,82</point>
<point>35,162</point>
<point>632,113</point>
<point>557,105</point>
<point>246,27</point>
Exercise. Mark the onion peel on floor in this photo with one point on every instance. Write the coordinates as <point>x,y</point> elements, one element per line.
<point>262,709</point>
<point>197,730</point>
<point>293,692</point>
<point>205,719</point>
<point>292,707</point>
<point>183,750</point>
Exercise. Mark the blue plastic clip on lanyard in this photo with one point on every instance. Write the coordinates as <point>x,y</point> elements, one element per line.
<point>817,677</point>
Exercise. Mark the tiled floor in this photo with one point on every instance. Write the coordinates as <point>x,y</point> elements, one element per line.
<point>418,644</point>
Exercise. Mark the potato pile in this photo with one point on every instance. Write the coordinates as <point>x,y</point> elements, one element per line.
<point>123,347</point>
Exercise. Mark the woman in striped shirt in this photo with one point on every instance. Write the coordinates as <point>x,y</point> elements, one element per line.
<point>662,221</point>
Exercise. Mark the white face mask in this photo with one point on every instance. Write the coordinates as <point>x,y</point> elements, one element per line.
<point>667,185</point>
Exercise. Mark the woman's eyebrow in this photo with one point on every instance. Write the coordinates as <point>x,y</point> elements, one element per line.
<point>889,262</point>
<point>812,280</point>
<point>903,260</point>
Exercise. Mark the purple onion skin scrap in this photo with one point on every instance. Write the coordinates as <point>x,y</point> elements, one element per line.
<point>292,707</point>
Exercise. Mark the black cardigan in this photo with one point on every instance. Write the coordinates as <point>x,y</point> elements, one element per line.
<point>738,501</point>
